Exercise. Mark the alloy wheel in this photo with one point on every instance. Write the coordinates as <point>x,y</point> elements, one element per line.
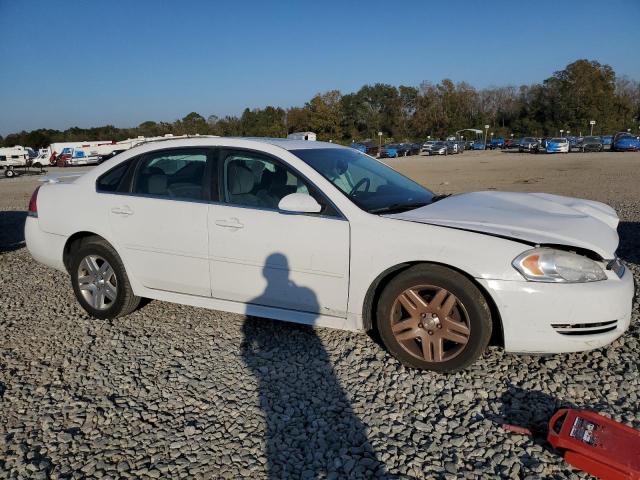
<point>97,282</point>
<point>430,323</point>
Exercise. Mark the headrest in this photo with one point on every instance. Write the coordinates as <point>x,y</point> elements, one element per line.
<point>240,179</point>
<point>277,178</point>
<point>157,185</point>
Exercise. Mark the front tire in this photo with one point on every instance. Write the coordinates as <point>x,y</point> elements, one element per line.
<point>100,281</point>
<point>433,318</point>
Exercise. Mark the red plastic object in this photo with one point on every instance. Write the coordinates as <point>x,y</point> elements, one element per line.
<point>595,444</point>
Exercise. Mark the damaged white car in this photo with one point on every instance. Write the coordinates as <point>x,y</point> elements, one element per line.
<point>320,234</point>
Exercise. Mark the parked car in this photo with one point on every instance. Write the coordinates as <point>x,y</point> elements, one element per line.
<point>365,248</point>
<point>440,148</point>
<point>574,143</point>
<point>454,147</point>
<point>495,143</point>
<point>625,142</point>
<point>414,148</point>
<point>528,144</point>
<point>541,145</point>
<point>468,144</point>
<point>607,141</point>
<point>478,145</point>
<point>388,151</point>
<point>591,144</point>
<point>557,145</point>
<point>426,147</point>
<point>405,149</point>
<point>368,147</point>
<point>511,143</point>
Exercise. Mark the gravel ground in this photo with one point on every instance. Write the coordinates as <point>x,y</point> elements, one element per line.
<point>178,392</point>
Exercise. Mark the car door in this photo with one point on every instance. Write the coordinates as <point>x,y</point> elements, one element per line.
<point>260,255</point>
<point>160,220</point>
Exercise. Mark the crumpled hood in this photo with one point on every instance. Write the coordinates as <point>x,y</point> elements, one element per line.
<point>539,218</point>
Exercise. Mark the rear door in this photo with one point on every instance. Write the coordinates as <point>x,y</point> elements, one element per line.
<point>160,220</point>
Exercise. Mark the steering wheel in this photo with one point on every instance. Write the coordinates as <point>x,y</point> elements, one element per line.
<point>362,181</point>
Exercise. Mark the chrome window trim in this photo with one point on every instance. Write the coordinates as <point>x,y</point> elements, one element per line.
<point>222,204</point>
<point>220,148</point>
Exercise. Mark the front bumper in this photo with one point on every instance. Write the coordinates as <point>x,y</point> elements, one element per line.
<point>555,318</point>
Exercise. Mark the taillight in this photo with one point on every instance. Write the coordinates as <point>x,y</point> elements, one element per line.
<point>33,203</point>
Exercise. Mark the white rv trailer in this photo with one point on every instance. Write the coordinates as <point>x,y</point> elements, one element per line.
<point>17,156</point>
<point>302,136</point>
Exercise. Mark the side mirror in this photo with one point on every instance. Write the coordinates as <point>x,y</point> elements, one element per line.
<point>299,203</point>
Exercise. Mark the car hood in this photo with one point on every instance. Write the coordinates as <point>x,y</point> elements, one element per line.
<point>538,218</point>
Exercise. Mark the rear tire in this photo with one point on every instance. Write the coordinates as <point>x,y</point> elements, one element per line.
<point>100,281</point>
<point>452,318</point>
<point>9,173</point>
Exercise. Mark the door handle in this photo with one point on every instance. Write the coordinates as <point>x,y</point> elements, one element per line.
<point>230,223</point>
<point>126,210</point>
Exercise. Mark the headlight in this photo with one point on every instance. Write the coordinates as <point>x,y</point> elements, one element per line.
<point>549,265</point>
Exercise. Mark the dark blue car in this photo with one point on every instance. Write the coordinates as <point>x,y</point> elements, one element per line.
<point>625,142</point>
<point>497,142</point>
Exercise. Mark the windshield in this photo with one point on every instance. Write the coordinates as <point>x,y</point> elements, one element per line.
<point>558,140</point>
<point>592,139</point>
<point>371,185</point>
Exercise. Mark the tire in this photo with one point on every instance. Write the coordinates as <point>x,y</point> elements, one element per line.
<point>37,165</point>
<point>124,301</point>
<point>468,319</point>
<point>9,173</point>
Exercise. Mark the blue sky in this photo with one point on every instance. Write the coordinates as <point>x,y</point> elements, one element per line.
<point>90,63</point>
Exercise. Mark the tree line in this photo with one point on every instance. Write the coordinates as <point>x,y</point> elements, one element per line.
<point>585,90</point>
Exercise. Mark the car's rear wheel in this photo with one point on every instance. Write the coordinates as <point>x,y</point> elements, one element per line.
<point>433,318</point>
<point>100,281</point>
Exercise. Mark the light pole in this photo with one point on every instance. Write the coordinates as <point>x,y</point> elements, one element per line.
<point>379,143</point>
<point>561,131</point>
<point>592,123</point>
<point>486,129</point>
<point>568,132</point>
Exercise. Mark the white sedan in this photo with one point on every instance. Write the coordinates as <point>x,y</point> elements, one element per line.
<point>320,234</point>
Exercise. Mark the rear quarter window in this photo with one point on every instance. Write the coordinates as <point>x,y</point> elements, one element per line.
<point>110,181</point>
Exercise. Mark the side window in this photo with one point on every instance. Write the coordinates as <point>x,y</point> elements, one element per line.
<point>172,173</point>
<point>254,180</point>
<point>110,181</point>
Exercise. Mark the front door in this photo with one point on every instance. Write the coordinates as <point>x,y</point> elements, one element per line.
<point>162,223</point>
<point>260,255</point>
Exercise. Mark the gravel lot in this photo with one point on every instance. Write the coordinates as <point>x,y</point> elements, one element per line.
<point>179,392</point>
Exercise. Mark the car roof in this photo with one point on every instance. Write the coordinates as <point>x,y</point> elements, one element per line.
<point>290,144</point>
<point>205,140</point>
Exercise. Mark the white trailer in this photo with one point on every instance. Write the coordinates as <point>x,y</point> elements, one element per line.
<point>302,136</point>
<point>16,156</point>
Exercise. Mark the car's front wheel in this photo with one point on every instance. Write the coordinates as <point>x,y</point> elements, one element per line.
<point>100,281</point>
<point>433,318</point>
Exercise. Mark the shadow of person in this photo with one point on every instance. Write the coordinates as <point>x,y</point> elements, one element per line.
<point>311,428</point>
<point>12,230</point>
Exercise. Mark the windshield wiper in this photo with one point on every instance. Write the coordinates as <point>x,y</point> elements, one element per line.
<point>398,207</point>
